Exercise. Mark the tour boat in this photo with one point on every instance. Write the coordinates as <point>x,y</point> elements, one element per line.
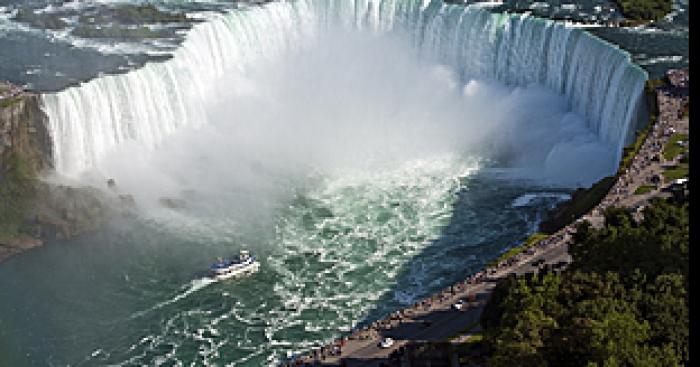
<point>241,264</point>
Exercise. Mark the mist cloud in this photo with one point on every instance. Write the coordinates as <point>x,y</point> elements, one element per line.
<point>353,100</point>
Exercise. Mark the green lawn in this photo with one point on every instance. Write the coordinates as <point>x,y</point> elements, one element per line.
<point>672,149</point>
<point>644,189</point>
<point>529,242</point>
<point>679,171</point>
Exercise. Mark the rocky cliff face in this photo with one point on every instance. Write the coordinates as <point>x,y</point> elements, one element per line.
<point>32,210</point>
<point>23,129</point>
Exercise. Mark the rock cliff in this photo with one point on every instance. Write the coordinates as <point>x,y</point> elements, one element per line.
<point>23,129</point>
<point>32,210</point>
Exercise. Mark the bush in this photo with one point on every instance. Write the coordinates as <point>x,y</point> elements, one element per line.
<point>16,191</point>
<point>645,9</point>
<point>622,301</point>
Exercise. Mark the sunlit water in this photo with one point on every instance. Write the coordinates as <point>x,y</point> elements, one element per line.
<point>344,252</point>
<point>43,59</point>
<point>363,176</point>
<point>358,200</point>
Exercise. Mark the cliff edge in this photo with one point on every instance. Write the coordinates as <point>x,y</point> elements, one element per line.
<point>23,129</point>
<point>32,210</point>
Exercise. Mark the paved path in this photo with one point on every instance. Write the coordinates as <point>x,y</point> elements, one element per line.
<point>434,319</point>
<point>648,165</point>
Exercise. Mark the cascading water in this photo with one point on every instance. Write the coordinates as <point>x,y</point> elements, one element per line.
<point>336,156</point>
<point>144,106</point>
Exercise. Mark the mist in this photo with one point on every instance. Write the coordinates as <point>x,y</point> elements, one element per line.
<point>352,101</point>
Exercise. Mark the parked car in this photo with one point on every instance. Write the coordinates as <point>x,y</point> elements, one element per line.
<point>458,305</point>
<point>386,343</point>
<point>538,262</point>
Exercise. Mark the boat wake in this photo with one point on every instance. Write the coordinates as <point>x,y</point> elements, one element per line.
<point>194,286</point>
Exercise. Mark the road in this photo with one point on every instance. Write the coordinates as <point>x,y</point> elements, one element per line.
<point>434,319</point>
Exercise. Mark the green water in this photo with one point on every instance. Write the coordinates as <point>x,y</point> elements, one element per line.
<point>342,251</point>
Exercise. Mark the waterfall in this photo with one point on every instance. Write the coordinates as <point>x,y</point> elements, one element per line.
<point>145,105</point>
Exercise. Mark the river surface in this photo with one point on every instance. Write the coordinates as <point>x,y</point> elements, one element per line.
<point>337,256</point>
<point>342,240</point>
<point>41,55</point>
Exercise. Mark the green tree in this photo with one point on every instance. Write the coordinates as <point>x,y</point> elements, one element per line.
<point>622,302</point>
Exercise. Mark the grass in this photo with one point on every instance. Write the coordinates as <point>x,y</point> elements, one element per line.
<point>476,338</point>
<point>631,150</point>
<point>7,102</point>
<point>529,242</point>
<point>679,171</point>
<point>641,190</point>
<point>672,149</point>
<point>463,331</point>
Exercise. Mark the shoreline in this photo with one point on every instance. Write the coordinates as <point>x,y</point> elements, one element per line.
<point>360,347</point>
<point>479,285</point>
<point>32,209</point>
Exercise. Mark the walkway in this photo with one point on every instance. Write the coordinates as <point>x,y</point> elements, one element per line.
<point>434,318</point>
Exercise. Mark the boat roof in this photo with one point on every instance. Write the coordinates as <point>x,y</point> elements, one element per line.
<point>223,263</point>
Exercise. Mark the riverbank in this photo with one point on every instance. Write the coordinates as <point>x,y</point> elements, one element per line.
<point>434,319</point>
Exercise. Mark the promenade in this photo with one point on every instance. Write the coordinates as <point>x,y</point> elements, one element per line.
<point>434,318</point>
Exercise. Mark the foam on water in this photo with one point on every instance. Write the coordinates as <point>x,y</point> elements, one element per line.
<point>529,198</point>
<point>347,242</point>
<point>193,287</point>
<point>147,105</point>
<point>340,247</point>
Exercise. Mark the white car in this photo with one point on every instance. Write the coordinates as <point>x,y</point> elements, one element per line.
<point>459,305</point>
<point>386,343</point>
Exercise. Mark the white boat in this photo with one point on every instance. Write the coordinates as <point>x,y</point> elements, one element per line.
<point>241,264</point>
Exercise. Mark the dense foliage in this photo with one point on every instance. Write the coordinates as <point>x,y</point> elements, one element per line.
<point>16,189</point>
<point>623,300</point>
<point>645,9</point>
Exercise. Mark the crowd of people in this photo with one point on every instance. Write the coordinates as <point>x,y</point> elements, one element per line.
<point>8,90</point>
<point>466,289</point>
<point>645,168</point>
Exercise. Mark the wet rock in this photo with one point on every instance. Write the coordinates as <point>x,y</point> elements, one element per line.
<point>127,201</point>
<point>172,203</point>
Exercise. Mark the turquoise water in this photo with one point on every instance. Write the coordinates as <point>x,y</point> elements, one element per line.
<point>44,59</point>
<point>339,253</point>
<point>274,151</point>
